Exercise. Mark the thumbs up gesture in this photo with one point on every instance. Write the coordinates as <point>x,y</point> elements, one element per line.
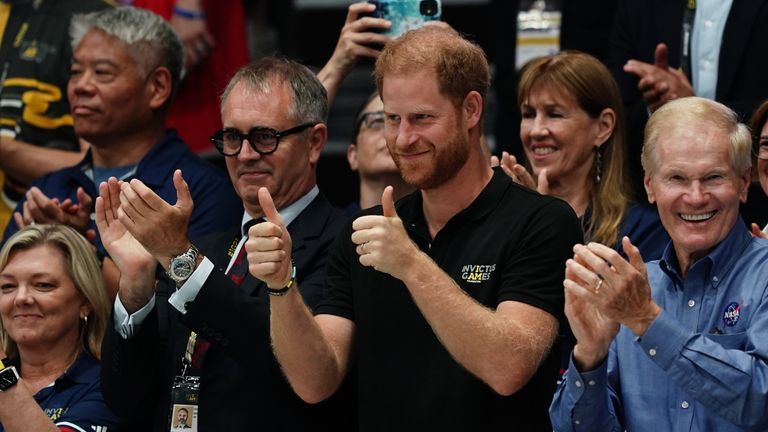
<point>268,246</point>
<point>382,241</point>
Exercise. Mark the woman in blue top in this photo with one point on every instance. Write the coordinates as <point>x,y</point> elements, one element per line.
<point>53,314</point>
<point>572,131</point>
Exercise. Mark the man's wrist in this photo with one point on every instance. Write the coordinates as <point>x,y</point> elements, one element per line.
<point>586,361</point>
<point>639,325</point>
<point>282,289</point>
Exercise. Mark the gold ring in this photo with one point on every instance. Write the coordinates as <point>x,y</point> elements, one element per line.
<point>598,286</point>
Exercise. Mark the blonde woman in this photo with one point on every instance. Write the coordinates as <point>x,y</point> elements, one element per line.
<point>53,314</point>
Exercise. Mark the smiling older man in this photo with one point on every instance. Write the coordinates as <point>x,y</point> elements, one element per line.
<point>680,344</point>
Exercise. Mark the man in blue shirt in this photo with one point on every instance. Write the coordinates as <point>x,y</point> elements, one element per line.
<point>125,69</point>
<point>682,343</point>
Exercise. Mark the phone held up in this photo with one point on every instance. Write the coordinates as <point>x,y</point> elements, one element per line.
<point>406,14</point>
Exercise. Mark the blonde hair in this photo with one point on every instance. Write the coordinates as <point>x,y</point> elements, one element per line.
<point>591,85</point>
<point>693,111</point>
<point>81,265</point>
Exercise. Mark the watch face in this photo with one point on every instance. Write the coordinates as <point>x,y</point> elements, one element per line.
<point>182,267</point>
<point>8,379</point>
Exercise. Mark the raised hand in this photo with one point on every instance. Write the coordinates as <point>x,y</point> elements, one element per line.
<point>521,176</point>
<point>195,37</point>
<point>382,242</point>
<point>659,83</point>
<point>624,295</point>
<point>591,328</point>
<point>135,264</point>
<point>39,208</point>
<point>160,227</point>
<point>269,246</point>
<point>357,40</point>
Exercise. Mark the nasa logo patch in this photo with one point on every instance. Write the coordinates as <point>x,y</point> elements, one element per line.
<point>731,314</point>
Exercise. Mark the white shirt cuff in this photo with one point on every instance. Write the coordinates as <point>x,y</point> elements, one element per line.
<point>128,325</point>
<point>188,292</point>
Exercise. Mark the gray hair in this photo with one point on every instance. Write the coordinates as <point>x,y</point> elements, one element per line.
<point>310,101</point>
<point>693,111</point>
<point>150,39</point>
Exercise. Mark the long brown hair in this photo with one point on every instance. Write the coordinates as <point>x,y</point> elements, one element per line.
<point>593,88</point>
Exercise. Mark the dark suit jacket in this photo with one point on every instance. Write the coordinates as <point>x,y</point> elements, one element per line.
<point>242,387</point>
<point>642,24</point>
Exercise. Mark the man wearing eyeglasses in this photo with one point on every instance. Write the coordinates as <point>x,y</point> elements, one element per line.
<point>369,156</point>
<point>214,315</point>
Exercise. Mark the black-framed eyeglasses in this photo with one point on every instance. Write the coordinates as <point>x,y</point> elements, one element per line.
<point>373,120</point>
<point>263,140</point>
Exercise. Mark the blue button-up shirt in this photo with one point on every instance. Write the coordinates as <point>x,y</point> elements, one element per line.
<point>700,366</point>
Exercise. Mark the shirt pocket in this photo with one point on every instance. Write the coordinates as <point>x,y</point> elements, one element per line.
<point>737,341</point>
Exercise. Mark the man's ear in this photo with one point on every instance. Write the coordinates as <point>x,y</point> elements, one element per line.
<point>472,109</point>
<point>744,182</point>
<point>649,189</point>
<point>318,136</point>
<point>159,86</point>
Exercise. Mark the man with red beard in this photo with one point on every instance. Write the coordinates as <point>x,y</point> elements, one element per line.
<point>450,301</point>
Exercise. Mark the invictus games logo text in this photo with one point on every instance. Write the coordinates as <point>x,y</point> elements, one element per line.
<point>476,273</point>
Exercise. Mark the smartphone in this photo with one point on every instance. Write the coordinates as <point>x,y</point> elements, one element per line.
<point>406,14</point>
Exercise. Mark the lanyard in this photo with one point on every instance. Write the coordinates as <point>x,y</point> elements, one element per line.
<point>193,347</point>
<point>689,14</point>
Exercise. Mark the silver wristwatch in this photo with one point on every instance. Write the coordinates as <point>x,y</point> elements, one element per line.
<point>182,266</point>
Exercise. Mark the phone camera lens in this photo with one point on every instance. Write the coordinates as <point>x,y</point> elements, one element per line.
<point>428,7</point>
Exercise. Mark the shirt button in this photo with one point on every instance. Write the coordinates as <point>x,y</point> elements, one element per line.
<point>591,382</point>
<point>715,279</point>
<point>652,352</point>
<point>691,303</point>
<point>577,383</point>
<point>708,23</point>
<point>578,422</point>
<point>684,405</point>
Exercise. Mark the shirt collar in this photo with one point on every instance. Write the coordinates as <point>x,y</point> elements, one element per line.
<point>715,264</point>
<point>288,213</point>
<point>484,203</point>
<point>152,169</point>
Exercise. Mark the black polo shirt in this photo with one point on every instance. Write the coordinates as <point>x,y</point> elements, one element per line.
<point>510,244</point>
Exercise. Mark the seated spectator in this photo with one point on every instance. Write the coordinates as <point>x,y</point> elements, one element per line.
<point>36,128</point>
<point>125,69</point>
<point>572,131</point>
<point>679,344</point>
<point>369,156</point>
<point>53,314</point>
<point>759,126</point>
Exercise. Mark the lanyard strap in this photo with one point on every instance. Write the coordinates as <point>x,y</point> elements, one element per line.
<point>196,349</point>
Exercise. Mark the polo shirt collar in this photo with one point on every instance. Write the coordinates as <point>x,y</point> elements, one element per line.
<point>489,197</point>
<point>484,203</point>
